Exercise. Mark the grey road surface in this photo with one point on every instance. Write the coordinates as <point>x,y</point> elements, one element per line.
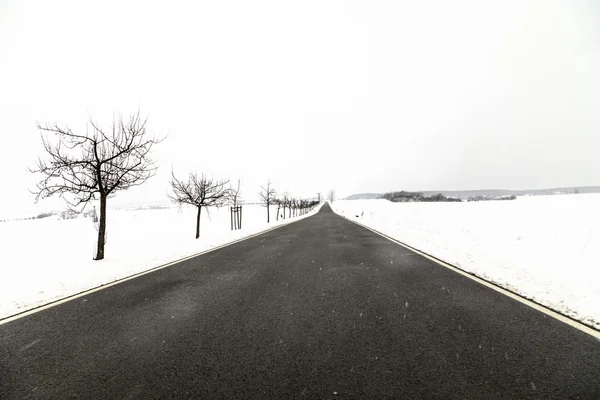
<point>318,309</point>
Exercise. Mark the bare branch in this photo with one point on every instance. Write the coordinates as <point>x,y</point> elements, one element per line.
<point>200,192</point>
<point>81,166</point>
<point>267,195</point>
<point>234,194</point>
<point>331,195</point>
<point>267,198</point>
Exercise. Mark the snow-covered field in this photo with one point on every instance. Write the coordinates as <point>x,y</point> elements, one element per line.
<point>546,248</point>
<point>48,259</point>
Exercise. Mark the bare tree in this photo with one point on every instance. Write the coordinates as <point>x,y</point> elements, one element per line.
<point>86,166</point>
<point>235,195</point>
<point>267,197</point>
<point>277,202</point>
<point>289,201</point>
<point>198,191</point>
<point>285,202</point>
<point>331,195</point>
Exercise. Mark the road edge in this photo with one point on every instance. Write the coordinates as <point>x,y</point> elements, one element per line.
<point>513,295</point>
<point>86,292</point>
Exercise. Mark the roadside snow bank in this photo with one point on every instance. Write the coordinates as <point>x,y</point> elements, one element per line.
<point>48,259</point>
<point>546,248</point>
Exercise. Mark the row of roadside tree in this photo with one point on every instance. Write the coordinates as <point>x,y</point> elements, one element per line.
<point>96,164</point>
<point>294,207</point>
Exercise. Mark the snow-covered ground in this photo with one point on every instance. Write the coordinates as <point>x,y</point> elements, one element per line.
<point>546,248</point>
<point>48,259</point>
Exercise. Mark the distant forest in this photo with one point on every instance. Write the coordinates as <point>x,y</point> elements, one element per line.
<point>403,197</point>
<point>471,195</point>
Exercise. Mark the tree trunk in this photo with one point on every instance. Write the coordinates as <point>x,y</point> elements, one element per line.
<point>101,230</point>
<point>268,216</point>
<point>289,212</point>
<point>198,223</point>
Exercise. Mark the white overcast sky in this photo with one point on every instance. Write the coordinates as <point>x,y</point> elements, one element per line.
<point>361,96</point>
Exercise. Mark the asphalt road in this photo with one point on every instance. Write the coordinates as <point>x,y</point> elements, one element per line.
<point>318,309</point>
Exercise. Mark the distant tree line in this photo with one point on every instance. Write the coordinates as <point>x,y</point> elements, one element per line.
<point>488,198</point>
<point>404,197</point>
